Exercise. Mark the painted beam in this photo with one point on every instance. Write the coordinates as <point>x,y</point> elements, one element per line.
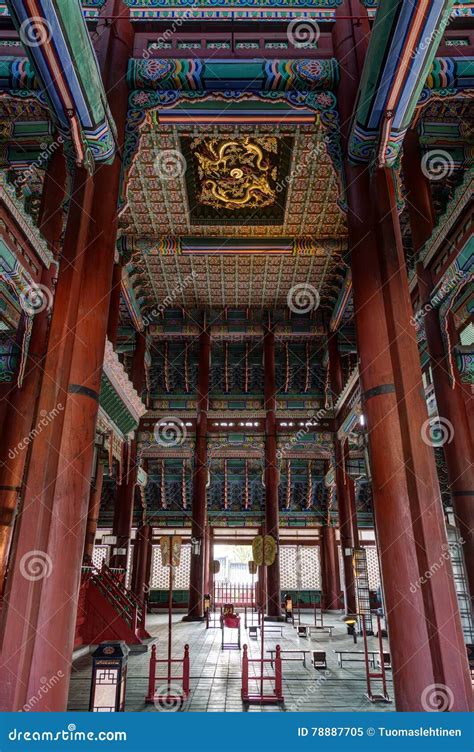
<point>237,75</point>
<point>400,62</point>
<point>63,62</point>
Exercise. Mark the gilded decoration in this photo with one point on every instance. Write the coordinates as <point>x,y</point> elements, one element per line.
<point>237,178</point>
<point>237,173</point>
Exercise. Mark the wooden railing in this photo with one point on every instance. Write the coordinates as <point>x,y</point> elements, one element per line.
<point>235,593</point>
<point>126,603</point>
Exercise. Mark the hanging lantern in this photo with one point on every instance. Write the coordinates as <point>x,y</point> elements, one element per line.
<point>216,567</point>
<point>109,678</point>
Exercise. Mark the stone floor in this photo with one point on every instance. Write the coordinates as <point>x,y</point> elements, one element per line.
<point>216,674</point>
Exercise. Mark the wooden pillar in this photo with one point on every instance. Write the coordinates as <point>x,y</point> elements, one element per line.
<point>272,519</point>
<point>124,505</point>
<point>114,307</point>
<point>94,510</point>
<point>426,641</point>
<point>330,578</point>
<point>459,451</point>
<point>20,403</point>
<point>39,621</point>
<point>347,514</point>
<point>196,585</point>
<point>207,559</point>
<point>139,575</point>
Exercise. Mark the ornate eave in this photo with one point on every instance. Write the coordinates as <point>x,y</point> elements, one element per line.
<point>115,379</point>
<point>24,221</point>
<point>461,199</point>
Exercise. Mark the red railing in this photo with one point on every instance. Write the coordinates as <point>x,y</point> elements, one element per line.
<point>171,691</point>
<point>238,594</point>
<point>262,696</point>
<point>126,603</point>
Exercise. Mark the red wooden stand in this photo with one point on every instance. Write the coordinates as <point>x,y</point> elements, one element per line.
<point>172,693</point>
<point>262,698</point>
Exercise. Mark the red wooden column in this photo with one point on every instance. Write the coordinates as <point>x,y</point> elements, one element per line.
<point>426,641</point>
<point>198,527</point>
<point>139,576</point>
<point>207,559</point>
<point>330,580</point>
<point>94,510</point>
<point>39,621</point>
<point>459,452</point>
<point>347,514</point>
<point>272,519</point>
<point>21,403</point>
<point>124,504</point>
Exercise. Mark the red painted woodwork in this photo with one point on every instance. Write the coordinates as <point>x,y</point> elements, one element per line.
<point>330,578</point>
<point>41,614</point>
<point>272,521</point>
<point>426,640</point>
<point>198,530</point>
<point>138,365</point>
<point>124,503</point>
<point>93,513</point>
<point>459,452</point>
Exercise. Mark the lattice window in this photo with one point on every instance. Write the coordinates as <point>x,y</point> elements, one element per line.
<point>160,574</point>
<point>373,567</point>
<point>300,568</point>
<point>288,571</point>
<point>310,567</point>
<point>98,555</point>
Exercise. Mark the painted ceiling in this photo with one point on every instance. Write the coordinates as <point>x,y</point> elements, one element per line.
<point>161,207</point>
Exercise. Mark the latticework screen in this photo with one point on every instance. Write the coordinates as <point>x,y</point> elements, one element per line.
<point>373,567</point>
<point>160,574</point>
<point>98,555</point>
<point>300,568</point>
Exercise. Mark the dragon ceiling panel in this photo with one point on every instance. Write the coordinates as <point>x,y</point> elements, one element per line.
<point>237,180</point>
<point>292,191</point>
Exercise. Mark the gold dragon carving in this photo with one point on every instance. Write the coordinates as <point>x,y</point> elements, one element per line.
<point>237,173</point>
